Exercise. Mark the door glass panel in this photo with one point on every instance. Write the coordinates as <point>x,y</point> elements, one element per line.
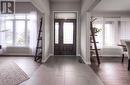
<point>56,33</point>
<point>9,33</point>
<point>67,33</point>
<point>20,33</point>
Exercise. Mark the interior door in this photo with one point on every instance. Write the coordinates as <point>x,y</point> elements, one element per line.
<point>65,37</point>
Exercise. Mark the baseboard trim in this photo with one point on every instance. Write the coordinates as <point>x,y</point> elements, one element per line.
<point>45,60</point>
<point>128,64</point>
<point>111,55</point>
<point>78,55</point>
<point>88,63</point>
<point>15,55</point>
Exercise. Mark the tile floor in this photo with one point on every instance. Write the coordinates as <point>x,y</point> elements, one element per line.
<point>60,70</point>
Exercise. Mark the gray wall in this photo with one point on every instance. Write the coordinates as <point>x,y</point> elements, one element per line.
<point>24,7</point>
<point>65,6</point>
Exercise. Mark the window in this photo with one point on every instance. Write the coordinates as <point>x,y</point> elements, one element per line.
<point>113,29</point>
<point>108,36</point>
<point>109,32</point>
<point>20,33</point>
<point>9,33</point>
<point>56,33</point>
<point>99,37</point>
<point>17,33</point>
<point>68,33</point>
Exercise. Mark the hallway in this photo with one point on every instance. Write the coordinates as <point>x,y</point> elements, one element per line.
<point>61,70</point>
<point>64,70</point>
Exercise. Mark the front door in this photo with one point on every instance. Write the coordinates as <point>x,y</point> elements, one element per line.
<point>65,37</point>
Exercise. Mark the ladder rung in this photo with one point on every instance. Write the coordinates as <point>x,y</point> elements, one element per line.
<point>95,49</point>
<point>39,47</point>
<point>92,35</point>
<point>38,56</point>
<point>95,42</point>
<point>40,38</point>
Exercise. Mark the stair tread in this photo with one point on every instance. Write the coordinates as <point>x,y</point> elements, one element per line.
<point>95,49</point>
<point>94,35</point>
<point>40,38</point>
<point>39,47</point>
<point>95,42</point>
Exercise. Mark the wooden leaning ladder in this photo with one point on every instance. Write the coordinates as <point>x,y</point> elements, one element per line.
<point>38,53</point>
<point>94,42</point>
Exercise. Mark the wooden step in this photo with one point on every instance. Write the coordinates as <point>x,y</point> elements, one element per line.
<point>39,47</point>
<point>40,38</point>
<point>0,46</point>
<point>93,42</point>
<point>95,49</point>
<point>38,57</point>
<point>40,31</point>
<point>94,35</point>
<point>38,54</point>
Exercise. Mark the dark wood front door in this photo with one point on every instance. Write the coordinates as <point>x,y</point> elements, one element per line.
<point>65,37</point>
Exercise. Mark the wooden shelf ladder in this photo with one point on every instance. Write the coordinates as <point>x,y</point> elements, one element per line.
<point>94,42</point>
<point>38,53</point>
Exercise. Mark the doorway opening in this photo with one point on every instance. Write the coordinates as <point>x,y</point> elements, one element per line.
<point>65,34</point>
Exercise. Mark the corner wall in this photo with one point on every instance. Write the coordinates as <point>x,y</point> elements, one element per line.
<point>47,38</point>
<point>44,7</point>
<point>86,7</point>
<point>85,39</point>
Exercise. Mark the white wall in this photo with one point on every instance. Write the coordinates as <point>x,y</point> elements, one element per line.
<point>85,31</point>
<point>85,39</point>
<point>46,38</point>
<point>110,14</point>
<point>44,7</point>
<point>86,7</point>
<point>66,7</point>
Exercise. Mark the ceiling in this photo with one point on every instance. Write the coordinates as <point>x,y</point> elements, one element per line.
<point>51,0</point>
<point>65,0</point>
<point>113,5</point>
<point>23,0</point>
